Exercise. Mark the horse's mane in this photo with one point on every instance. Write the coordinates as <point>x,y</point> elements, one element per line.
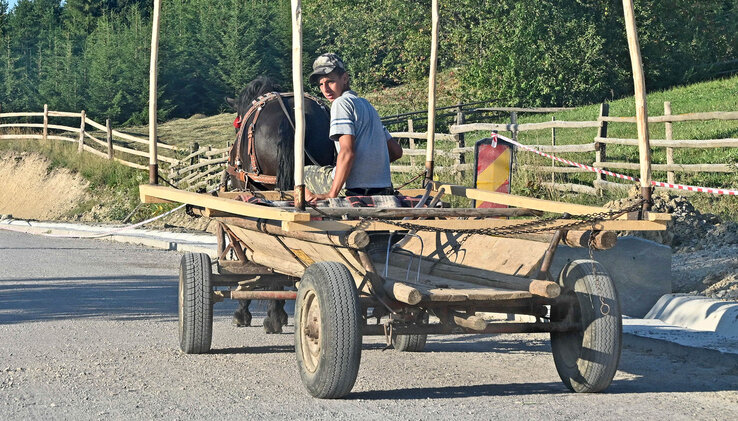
<point>258,87</point>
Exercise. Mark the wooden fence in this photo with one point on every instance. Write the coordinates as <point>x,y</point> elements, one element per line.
<point>601,140</point>
<point>115,143</point>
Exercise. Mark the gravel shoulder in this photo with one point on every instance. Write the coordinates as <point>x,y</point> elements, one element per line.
<point>89,332</point>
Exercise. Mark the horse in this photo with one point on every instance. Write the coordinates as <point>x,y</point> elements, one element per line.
<point>262,158</point>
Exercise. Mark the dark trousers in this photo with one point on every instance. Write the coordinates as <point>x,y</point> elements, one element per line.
<point>370,191</point>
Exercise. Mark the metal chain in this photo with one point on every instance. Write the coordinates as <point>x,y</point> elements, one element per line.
<point>527,227</point>
<point>604,307</point>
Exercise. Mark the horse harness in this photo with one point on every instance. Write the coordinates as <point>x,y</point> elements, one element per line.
<point>235,166</point>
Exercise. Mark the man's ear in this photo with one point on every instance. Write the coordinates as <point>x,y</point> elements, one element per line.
<point>345,80</point>
<point>231,102</point>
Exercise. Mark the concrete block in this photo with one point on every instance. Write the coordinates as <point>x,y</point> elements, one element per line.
<point>698,313</point>
<point>641,270</point>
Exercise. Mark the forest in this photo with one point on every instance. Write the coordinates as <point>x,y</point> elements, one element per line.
<point>94,54</point>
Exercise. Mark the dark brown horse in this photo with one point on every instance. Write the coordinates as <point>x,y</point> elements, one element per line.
<point>269,162</point>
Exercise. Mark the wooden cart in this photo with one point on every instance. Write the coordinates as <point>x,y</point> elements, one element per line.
<point>362,274</point>
<point>349,271</point>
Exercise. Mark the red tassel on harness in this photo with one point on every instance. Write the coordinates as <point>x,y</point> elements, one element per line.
<point>237,122</point>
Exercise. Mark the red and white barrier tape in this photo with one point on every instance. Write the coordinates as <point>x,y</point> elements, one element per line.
<point>711,190</point>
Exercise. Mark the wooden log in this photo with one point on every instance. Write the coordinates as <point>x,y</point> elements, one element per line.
<point>130,164</point>
<point>61,114</point>
<point>153,78</point>
<point>154,194</point>
<point>423,212</point>
<point>402,292</point>
<point>38,114</point>
<point>601,240</point>
<point>422,135</point>
<point>676,143</point>
<point>357,239</point>
<point>46,122</point>
<point>478,276</point>
<point>561,124</point>
<point>81,132</point>
<point>571,187</point>
<point>430,145</point>
<point>94,151</point>
<point>109,138</point>
<point>639,82</point>
<point>668,134</point>
<point>468,321</point>
<point>297,88</point>
<point>601,148</point>
<point>726,168</point>
<point>543,110</point>
<point>517,201</point>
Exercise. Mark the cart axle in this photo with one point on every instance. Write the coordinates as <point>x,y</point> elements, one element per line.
<point>436,329</point>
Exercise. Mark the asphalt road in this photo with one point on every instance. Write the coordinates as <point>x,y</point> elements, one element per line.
<point>88,331</point>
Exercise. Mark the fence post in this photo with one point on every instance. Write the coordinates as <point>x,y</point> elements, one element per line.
<point>460,140</point>
<point>81,132</point>
<point>411,129</point>
<point>195,147</point>
<point>553,143</point>
<point>46,123</point>
<point>669,136</point>
<point>109,138</point>
<point>514,122</point>
<point>601,148</point>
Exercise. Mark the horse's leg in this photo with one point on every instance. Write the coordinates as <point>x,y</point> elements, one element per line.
<point>242,316</point>
<point>276,316</point>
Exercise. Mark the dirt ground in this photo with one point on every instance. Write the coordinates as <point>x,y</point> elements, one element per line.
<point>705,259</point>
<point>29,190</point>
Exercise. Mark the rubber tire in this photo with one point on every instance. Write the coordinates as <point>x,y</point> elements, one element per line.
<point>332,373</point>
<point>195,304</point>
<point>588,358</point>
<point>410,343</point>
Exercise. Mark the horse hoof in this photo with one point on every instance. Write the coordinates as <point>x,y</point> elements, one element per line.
<point>240,321</point>
<point>271,327</point>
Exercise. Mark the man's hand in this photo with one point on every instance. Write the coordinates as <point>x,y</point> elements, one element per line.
<point>394,149</point>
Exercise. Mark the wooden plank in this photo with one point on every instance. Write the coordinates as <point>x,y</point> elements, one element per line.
<point>474,127</point>
<point>464,224</point>
<point>218,203</point>
<point>132,165</point>
<point>517,201</point>
<point>94,151</point>
<point>570,187</point>
<point>143,154</point>
<point>62,114</point>
<point>675,143</point>
<point>557,170</point>
<point>38,114</point>
<point>421,135</point>
<point>724,168</point>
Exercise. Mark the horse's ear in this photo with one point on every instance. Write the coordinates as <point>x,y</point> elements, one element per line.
<point>231,102</point>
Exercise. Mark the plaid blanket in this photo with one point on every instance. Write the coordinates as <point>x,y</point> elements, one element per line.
<point>344,202</point>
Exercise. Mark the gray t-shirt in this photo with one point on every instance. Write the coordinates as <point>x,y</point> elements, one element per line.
<point>353,115</point>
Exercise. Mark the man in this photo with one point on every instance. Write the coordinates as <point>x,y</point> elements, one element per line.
<point>365,147</point>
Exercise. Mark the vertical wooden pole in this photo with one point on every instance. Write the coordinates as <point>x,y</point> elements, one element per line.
<point>430,143</point>
<point>81,132</point>
<point>411,129</point>
<point>299,99</point>
<point>460,140</point>
<point>45,134</point>
<point>601,148</point>
<point>639,83</point>
<point>109,138</point>
<point>153,72</point>
<point>553,143</point>
<point>514,122</point>
<point>669,135</point>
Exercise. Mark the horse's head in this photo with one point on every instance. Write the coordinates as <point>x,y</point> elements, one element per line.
<point>258,87</point>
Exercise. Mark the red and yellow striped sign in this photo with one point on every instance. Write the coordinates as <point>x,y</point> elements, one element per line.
<point>493,159</point>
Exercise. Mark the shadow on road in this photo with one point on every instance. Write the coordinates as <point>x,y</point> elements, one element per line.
<point>117,297</point>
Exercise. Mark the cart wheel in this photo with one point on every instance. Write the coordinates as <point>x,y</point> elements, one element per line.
<point>328,330</point>
<point>195,304</point>
<point>410,343</point>
<point>588,357</point>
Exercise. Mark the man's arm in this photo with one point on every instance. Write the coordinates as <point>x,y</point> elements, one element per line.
<point>394,149</point>
<point>344,162</point>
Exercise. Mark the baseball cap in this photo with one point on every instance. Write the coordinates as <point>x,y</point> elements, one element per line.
<point>324,64</point>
